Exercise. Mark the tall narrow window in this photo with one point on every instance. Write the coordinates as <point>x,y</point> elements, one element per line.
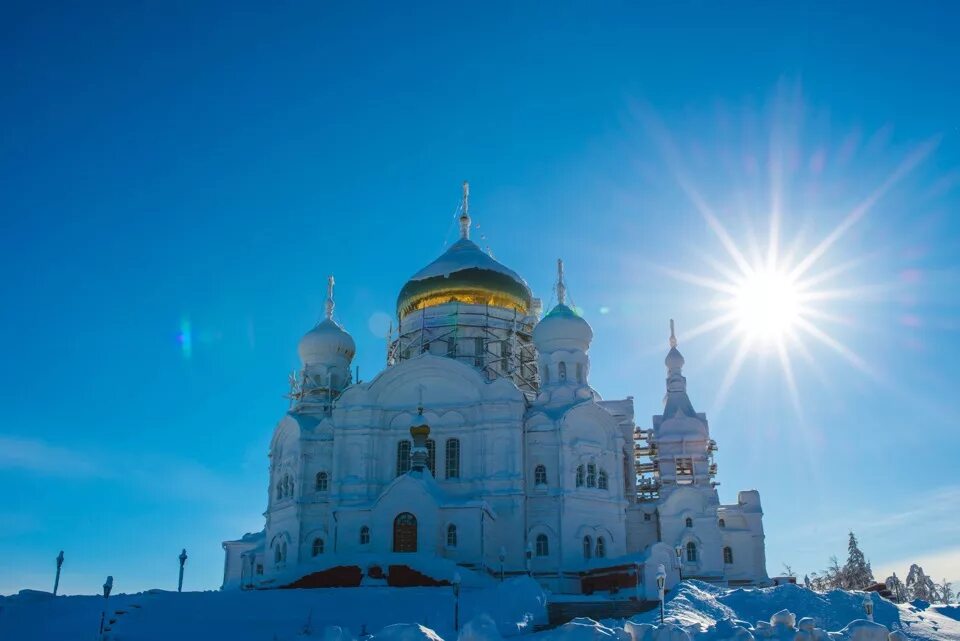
<point>562,369</point>
<point>601,548</point>
<point>283,551</point>
<point>579,372</point>
<point>506,352</point>
<point>540,475</point>
<point>451,536</point>
<point>579,476</point>
<point>602,482</point>
<point>364,535</point>
<point>728,555</point>
<point>432,456</point>
<point>323,482</point>
<point>405,533</point>
<point>543,545</point>
<point>403,457</point>
<point>425,347</point>
<point>276,555</point>
<point>691,552</point>
<point>452,347</point>
<point>546,375</point>
<point>478,352</point>
<point>688,522</point>
<point>279,490</point>
<point>722,523</point>
<point>317,547</point>
<point>591,475</point>
<point>587,547</point>
<point>452,461</point>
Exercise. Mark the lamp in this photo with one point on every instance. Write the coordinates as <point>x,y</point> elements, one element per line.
<point>868,606</point>
<point>661,583</point>
<point>183,560</point>
<point>679,552</point>
<point>456,601</point>
<point>502,556</point>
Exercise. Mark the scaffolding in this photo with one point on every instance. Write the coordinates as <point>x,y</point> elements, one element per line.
<point>646,467</point>
<point>495,340</point>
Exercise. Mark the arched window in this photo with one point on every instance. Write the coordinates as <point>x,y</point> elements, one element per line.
<point>403,457</point>
<point>452,458</point>
<point>602,481</point>
<point>317,546</point>
<point>279,490</point>
<point>591,475</point>
<point>543,545</point>
<point>540,475</point>
<point>601,548</point>
<point>723,523</point>
<point>277,558</point>
<point>728,555</point>
<point>587,547</point>
<point>579,372</point>
<point>323,482</point>
<point>689,522</point>
<point>283,551</point>
<point>290,486</point>
<point>579,476</point>
<point>432,456</point>
<point>562,371</point>
<point>405,533</point>
<point>451,536</point>
<point>364,535</point>
<point>691,552</point>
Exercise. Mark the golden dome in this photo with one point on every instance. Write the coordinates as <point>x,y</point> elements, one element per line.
<point>464,274</point>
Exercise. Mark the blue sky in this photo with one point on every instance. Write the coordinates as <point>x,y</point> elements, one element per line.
<point>170,163</point>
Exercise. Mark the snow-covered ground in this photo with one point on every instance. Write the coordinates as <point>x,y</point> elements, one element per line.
<point>695,611</point>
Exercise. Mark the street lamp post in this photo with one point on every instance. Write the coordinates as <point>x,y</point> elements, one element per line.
<point>502,557</point>
<point>529,553</point>
<point>868,606</point>
<point>183,560</point>
<point>56,582</point>
<point>456,601</point>
<point>661,582</point>
<point>107,587</point>
<point>679,552</point>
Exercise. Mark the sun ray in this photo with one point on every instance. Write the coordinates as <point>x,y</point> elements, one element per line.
<point>788,375</point>
<point>710,325</point>
<point>841,349</point>
<point>718,229</point>
<point>912,160</point>
<point>732,370</point>
<point>702,281</point>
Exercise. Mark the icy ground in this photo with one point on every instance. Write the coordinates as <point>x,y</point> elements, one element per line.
<point>696,611</point>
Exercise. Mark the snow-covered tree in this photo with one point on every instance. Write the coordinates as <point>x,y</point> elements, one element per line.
<point>898,590</point>
<point>788,571</point>
<point>833,575</point>
<point>857,573</point>
<point>920,586</point>
<point>946,593</point>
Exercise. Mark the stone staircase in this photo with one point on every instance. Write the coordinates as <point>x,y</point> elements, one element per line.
<point>560,612</point>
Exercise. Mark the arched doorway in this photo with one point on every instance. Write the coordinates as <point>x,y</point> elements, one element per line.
<point>405,533</point>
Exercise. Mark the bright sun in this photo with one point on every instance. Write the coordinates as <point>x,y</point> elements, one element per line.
<point>766,305</point>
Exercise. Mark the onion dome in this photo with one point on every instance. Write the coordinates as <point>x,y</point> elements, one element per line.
<point>328,342</point>
<point>465,274</point>
<point>562,328</point>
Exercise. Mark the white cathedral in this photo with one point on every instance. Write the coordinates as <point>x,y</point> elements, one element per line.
<point>482,449</point>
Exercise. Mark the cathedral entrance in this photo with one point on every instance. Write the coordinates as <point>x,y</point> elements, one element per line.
<point>405,533</point>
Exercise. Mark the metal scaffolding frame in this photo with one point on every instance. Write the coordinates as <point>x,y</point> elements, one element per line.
<point>502,340</point>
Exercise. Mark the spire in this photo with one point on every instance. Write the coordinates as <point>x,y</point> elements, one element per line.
<point>465,211</point>
<point>330,304</point>
<point>561,287</point>
<point>676,399</point>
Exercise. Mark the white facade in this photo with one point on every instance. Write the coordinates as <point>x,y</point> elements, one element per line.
<point>481,446</point>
